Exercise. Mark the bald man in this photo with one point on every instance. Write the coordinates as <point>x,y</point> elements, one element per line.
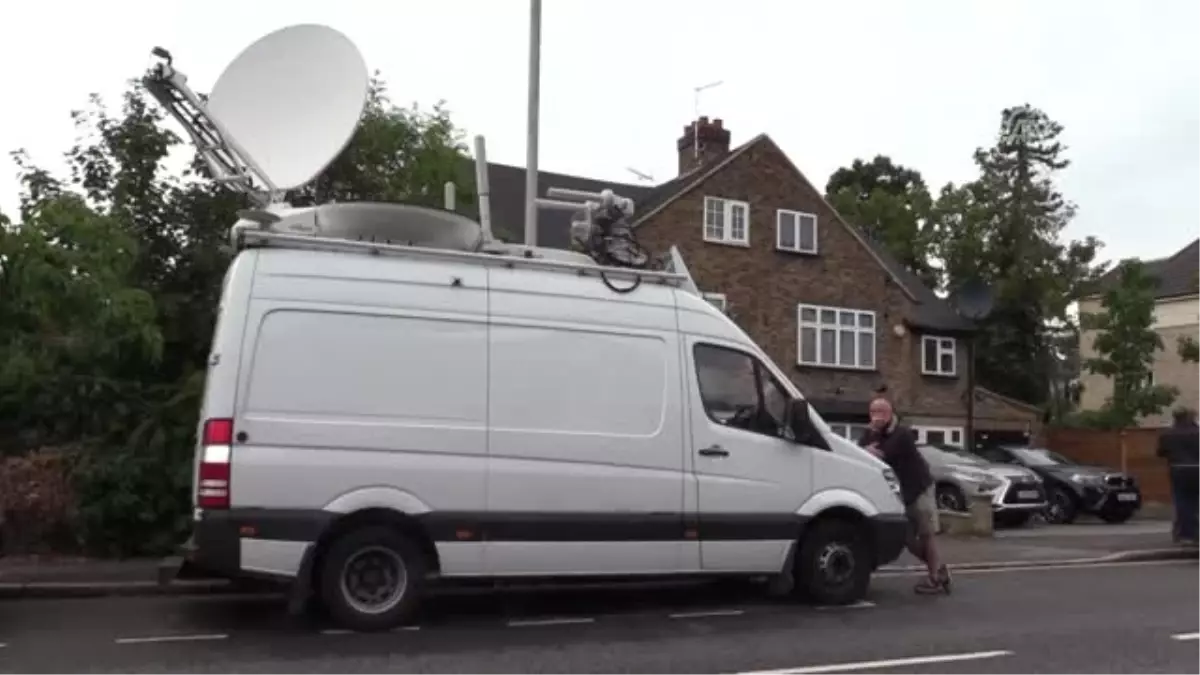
<point>888,440</point>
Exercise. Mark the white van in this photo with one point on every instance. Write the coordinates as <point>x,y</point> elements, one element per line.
<point>377,417</point>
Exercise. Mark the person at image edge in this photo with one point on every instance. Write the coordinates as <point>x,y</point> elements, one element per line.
<point>894,443</point>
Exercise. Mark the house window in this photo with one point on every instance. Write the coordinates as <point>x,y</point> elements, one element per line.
<point>834,337</point>
<point>940,435</point>
<point>851,432</point>
<point>795,231</point>
<point>726,221</point>
<point>717,300</point>
<point>938,356</point>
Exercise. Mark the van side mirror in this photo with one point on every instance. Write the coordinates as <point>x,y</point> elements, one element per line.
<point>803,430</point>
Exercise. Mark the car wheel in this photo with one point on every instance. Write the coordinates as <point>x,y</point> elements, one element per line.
<point>833,566</point>
<point>950,498</point>
<point>1061,508</point>
<point>1116,516</point>
<point>372,578</point>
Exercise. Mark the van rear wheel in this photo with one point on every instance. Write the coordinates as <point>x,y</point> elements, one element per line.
<point>833,565</point>
<point>372,578</point>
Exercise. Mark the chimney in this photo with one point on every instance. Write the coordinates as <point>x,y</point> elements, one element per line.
<point>702,142</point>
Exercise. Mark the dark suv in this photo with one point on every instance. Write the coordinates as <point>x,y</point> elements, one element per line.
<point>1073,488</point>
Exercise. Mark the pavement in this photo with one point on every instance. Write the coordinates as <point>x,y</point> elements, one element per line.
<point>1138,617</point>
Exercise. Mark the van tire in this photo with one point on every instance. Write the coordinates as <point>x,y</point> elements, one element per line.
<point>833,565</point>
<point>380,554</point>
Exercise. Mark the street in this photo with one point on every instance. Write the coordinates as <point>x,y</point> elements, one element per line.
<point>1135,617</point>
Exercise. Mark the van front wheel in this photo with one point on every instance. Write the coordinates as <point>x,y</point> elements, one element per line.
<point>833,566</point>
<point>372,578</point>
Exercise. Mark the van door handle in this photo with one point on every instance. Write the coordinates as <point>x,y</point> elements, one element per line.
<point>714,451</point>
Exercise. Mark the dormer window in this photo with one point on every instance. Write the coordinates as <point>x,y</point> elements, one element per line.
<point>939,356</point>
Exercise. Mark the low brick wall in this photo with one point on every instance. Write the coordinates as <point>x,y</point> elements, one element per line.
<point>1104,448</point>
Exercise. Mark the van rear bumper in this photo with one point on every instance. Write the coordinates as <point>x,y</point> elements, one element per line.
<point>217,539</point>
<point>889,532</point>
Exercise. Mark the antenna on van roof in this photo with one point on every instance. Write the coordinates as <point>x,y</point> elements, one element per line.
<point>279,114</point>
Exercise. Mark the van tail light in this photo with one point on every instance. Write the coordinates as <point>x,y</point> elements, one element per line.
<point>216,447</point>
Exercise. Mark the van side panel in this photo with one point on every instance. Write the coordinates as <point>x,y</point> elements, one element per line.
<point>364,386</point>
<point>586,452</point>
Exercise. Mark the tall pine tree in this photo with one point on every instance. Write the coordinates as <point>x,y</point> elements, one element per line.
<point>1006,227</point>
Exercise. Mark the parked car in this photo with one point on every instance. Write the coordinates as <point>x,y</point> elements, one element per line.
<point>1016,492</point>
<point>1073,488</point>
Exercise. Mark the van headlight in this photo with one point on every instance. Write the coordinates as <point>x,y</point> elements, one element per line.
<point>892,481</point>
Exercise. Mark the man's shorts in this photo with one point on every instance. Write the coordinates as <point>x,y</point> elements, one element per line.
<point>922,514</point>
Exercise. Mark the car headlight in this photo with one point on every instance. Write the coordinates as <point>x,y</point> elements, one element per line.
<point>892,481</point>
<point>983,482</point>
<point>1086,479</point>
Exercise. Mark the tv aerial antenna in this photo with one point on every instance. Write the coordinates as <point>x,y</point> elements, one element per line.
<point>696,91</point>
<point>640,175</point>
<point>277,116</point>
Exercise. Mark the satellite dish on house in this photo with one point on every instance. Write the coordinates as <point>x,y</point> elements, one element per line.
<point>292,101</point>
<point>974,299</point>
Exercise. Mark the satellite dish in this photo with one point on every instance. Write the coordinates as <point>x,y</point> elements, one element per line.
<point>292,101</point>
<point>408,224</point>
<point>974,299</point>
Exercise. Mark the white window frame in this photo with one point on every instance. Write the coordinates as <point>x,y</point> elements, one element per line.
<point>727,207</point>
<point>940,350</point>
<point>796,221</point>
<point>850,431</point>
<point>717,300</point>
<point>818,325</point>
<point>922,433</point>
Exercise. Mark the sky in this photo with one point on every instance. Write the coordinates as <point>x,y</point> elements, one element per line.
<point>922,81</point>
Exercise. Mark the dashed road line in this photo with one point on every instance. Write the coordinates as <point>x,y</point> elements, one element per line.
<point>1186,636</point>
<point>885,663</point>
<point>707,613</point>
<point>861,604</point>
<point>171,638</point>
<point>565,621</point>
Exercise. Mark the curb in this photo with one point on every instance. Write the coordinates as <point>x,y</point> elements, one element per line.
<point>100,589</point>
<point>1118,557</point>
<point>201,587</point>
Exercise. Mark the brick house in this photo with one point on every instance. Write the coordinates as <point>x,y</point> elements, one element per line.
<point>1176,315</point>
<point>837,313</point>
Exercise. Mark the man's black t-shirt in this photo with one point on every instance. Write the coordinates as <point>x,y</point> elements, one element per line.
<point>899,449</point>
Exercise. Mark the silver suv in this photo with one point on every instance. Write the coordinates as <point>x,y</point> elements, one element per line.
<point>1016,492</point>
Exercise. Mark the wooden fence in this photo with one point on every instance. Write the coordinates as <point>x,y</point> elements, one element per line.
<point>1104,448</point>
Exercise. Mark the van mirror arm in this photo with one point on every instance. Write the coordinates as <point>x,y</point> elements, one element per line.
<point>800,423</point>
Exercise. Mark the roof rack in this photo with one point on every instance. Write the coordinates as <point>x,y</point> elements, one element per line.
<point>263,238</point>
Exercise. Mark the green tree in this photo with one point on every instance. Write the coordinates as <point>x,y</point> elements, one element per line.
<point>892,204</point>
<point>1126,344</point>
<point>1006,227</point>
<point>109,285</point>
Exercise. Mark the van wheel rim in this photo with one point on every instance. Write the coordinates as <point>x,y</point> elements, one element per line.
<point>374,580</point>
<point>836,563</point>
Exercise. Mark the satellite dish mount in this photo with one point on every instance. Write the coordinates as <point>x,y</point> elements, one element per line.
<point>278,115</point>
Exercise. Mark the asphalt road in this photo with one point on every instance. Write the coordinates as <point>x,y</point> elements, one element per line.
<point>1117,618</point>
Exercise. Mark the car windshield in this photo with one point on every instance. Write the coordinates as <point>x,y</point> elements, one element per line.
<point>1040,457</point>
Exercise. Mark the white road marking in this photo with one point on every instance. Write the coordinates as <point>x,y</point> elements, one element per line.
<point>551,622</point>
<point>171,638</point>
<point>861,604</point>
<point>3,645</point>
<point>1186,636</point>
<point>405,628</point>
<point>887,663</point>
<point>711,612</point>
